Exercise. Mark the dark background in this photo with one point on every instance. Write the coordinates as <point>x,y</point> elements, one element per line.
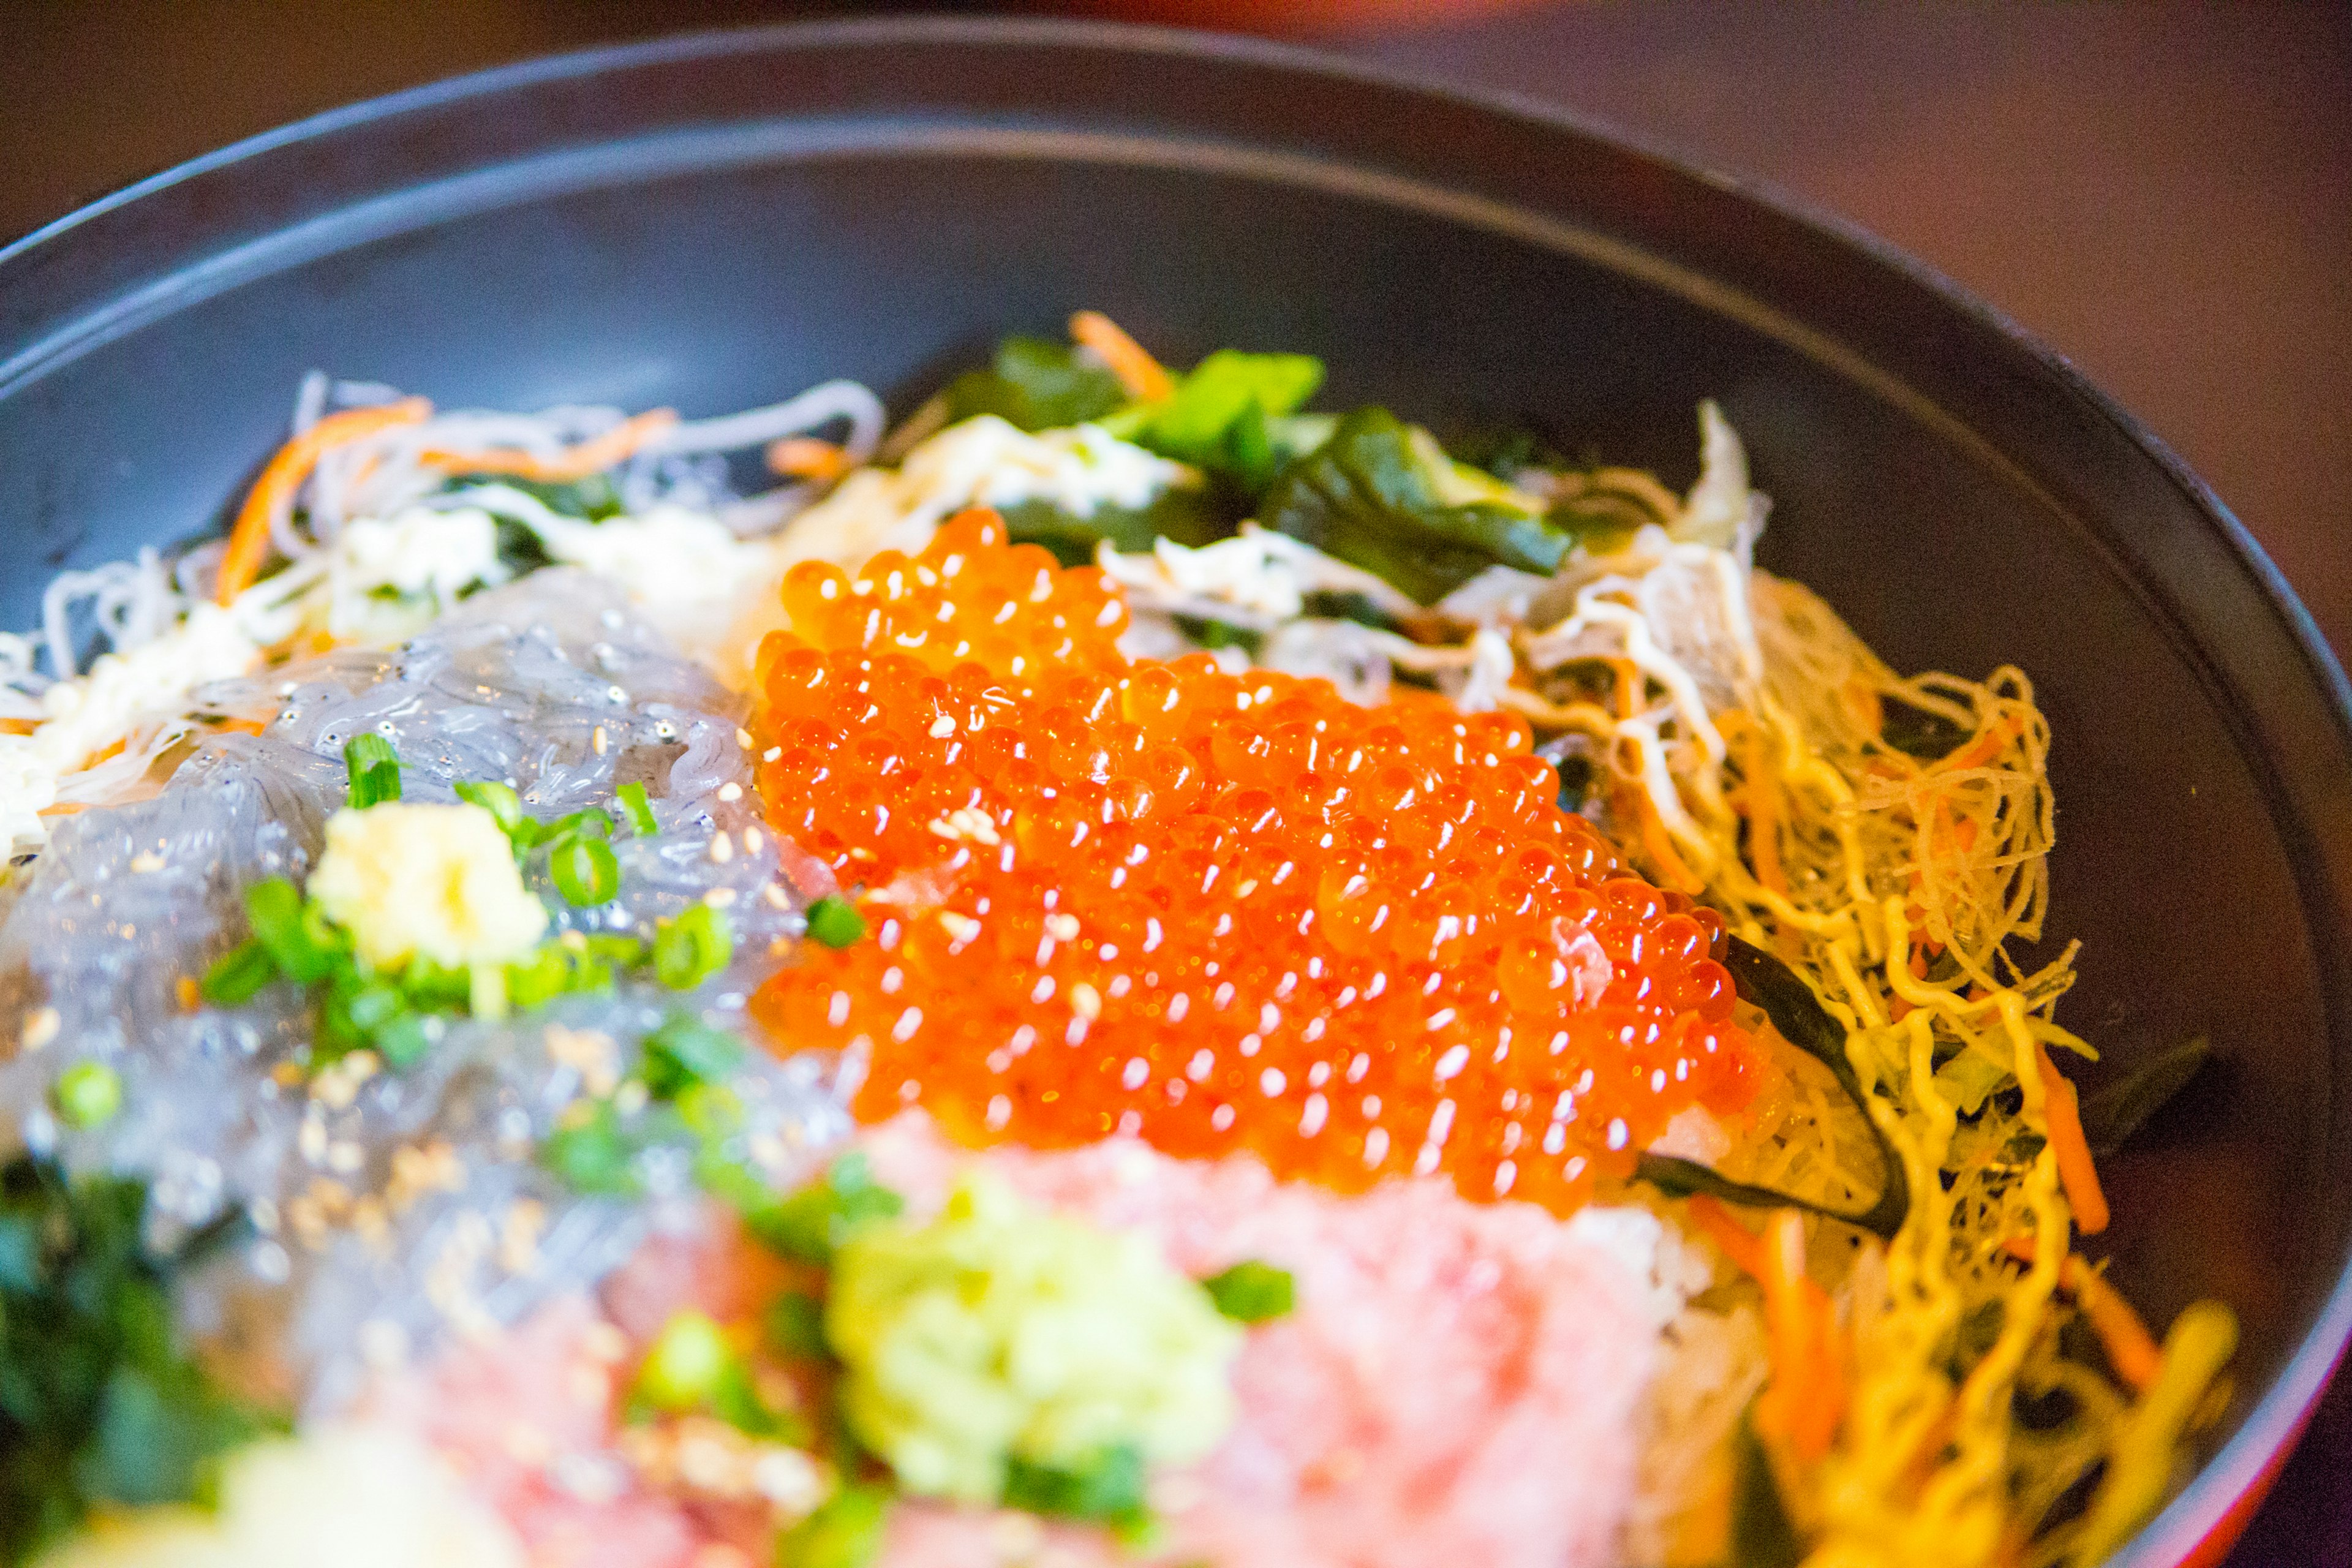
<point>2161,191</point>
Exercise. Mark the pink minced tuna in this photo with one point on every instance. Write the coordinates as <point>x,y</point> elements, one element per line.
<point>1458,1383</point>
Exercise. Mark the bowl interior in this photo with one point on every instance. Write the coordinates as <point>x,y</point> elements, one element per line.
<point>715,224</point>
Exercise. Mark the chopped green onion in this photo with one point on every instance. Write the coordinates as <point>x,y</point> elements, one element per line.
<point>87,1094</point>
<point>434,985</point>
<point>499,800</point>
<point>809,1223</point>
<point>1250,1291</point>
<point>593,822</point>
<point>638,809</point>
<point>1107,1489</point>
<point>374,769</point>
<point>373,1006</point>
<point>486,993</point>
<point>845,1531</point>
<point>692,947</point>
<point>536,981</point>
<point>239,974</point>
<point>274,907</point>
<point>584,870</point>
<point>686,1051</point>
<point>625,952</point>
<point>404,1041</point>
<point>592,1154</point>
<point>687,1362</point>
<point>794,1324</point>
<point>835,921</point>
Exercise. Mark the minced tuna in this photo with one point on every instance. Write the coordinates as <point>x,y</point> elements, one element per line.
<point>1458,1382</point>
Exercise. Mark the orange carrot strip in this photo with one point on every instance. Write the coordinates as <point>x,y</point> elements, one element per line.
<point>1741,1244</point>
<point>1145,378</point>
<point>807,458</point>
<point>1763,795</point>
<point>1807,1398</point>
<point>1661,846</point>
<point>2131,1349</point>
<point>248,538</point>
<point>593,456</point>
<point>2076,1172</point>
<point>1982,750</point>
<point>1808,1378</point>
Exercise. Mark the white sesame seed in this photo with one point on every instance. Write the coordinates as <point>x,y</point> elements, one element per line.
<point>147,860</point>
<point>1204,1060</point>
<point>1451,1064</point>
<point>1221,1117</point>
<point>1000,1112</point>
<point>1135,1074</point>
<point>1086,1001</point>
<point>598,742</point>
<point>730,791</point>
<point>1376,1146</point>
<point>1311,1120</point>
<point>722,848</point>
<point>1062,928</point>
<point>909,1022</point>
<point>743,738</point>
<point>1619,1134</point>
<point>720,898</point>
<point>771,753</point>
<point>1271,1082</point>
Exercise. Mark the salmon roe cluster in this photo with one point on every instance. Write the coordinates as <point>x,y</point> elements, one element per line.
<point>1217,911</point>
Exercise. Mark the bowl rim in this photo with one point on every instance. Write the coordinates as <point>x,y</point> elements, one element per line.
<point>2195,1527</point>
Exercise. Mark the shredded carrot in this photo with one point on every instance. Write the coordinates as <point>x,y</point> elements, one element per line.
<point>248,538</point>
<point>1658,844</point>
<point>807,458</point>
<point>1808,1379</point>
<point>1982,750</point>
<point>1862,698</point>
<point>1145,378</point>
<point>2076,1172</point>
<point>1807,1397</point>
<point>1738,1243</point>
<point>2130,1348</point>
<point>1633,687</point>
<point>1806,1400</point>
<point>593,456</point>
<point>1763,798</point>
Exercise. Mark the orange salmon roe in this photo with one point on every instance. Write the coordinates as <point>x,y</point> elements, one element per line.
<point>1217,911</point>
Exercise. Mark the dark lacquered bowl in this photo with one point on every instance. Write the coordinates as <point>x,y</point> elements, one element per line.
<point>715,222</point>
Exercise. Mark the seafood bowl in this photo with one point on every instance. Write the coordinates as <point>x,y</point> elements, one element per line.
<point>713,223</point>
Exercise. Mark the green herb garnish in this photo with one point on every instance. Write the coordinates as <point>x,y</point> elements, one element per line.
<point>585,871</point>
<point>87,1095</point>
<point>809,1223</point>
<point>1370,497</point>
<point>374,769</point>
<point>1036,385</point>
<point>499,799</point>
<point>835,921</point>
<point>637,809</point>
<point>1107,1489</point>
<point>692,946</point>
<point>845,1531</point>
<point>686,1052</point>
<point>99,1407</point>
<point>1251,1292</point>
